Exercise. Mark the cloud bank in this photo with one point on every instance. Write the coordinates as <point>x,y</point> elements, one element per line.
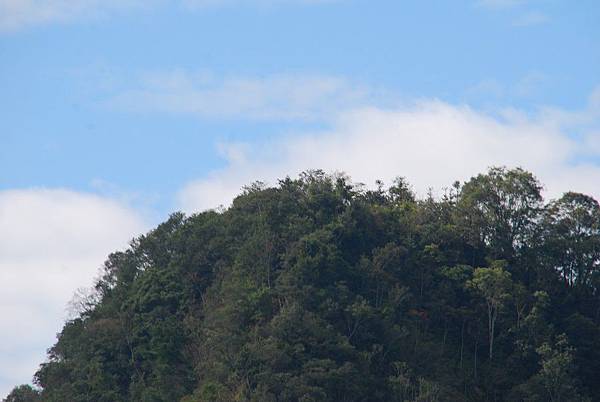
<point>432,143</point>
<point>51,243</point>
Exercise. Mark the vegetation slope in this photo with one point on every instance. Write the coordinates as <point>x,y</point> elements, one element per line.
<point>320,290</point>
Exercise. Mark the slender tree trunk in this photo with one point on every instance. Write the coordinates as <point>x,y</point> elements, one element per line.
<point>475,364</point>
<point>492,314</point>
<point>445,335</point>
<point>462,342</point>
<point>422,280</point>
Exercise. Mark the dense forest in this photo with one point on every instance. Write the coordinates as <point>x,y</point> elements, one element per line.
<point>318,289</point>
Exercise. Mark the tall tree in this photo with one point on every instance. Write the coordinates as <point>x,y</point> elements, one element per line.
<point>500,209</point>
<point>494,285</point>
<point>572,238</point>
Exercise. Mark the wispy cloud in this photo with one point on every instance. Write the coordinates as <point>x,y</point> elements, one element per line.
<point>501,3</point>
<point>198,4</point>
<point>531,18</point>
<point>274,97</point>
<point>528,85</point>
<point>52,242</point>
<point>17,15</point>
<point>432,143</point>
<point>20,14</point>
<point>524,17</point>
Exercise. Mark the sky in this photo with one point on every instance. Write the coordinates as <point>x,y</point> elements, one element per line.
<point>116,113</point>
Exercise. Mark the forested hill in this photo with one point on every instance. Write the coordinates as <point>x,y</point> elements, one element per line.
<point>320,290</point>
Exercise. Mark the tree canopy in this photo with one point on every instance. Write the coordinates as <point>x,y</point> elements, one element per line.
<point>317,289</point>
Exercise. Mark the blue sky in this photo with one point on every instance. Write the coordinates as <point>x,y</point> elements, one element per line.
<point>125,111</point>
<point>58,77</point>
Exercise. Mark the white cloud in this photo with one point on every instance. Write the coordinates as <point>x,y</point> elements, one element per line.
<point>591,143</point>
<point>282,96</point>
<point>431,143</point>
<point>51,243</point>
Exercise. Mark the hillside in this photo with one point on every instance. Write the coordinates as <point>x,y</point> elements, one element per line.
<point>319,290</point>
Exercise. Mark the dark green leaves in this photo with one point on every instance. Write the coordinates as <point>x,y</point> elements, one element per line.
<point>320,290</point>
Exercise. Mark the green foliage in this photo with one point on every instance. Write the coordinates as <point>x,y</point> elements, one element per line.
<point>405,388</point>
<point>556,370</point>
<point>500,209</point>
<point>319,290</point>
<point>23,393</point>
<point>495,286</point>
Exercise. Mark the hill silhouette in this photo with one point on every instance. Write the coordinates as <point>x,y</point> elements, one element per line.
<point>317,289</point>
